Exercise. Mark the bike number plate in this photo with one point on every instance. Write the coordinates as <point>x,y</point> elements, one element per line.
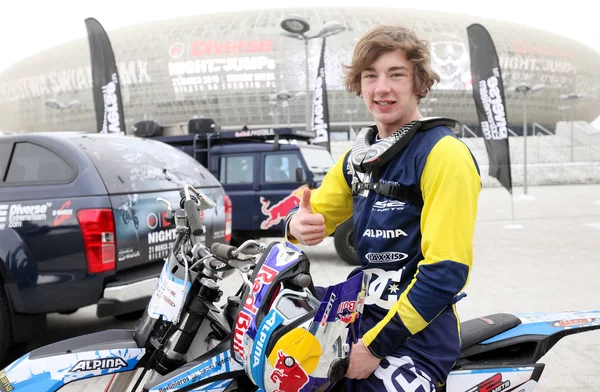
<point>168,297</point>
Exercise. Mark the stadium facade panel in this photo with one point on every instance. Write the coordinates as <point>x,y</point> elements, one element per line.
<point>228,66</point>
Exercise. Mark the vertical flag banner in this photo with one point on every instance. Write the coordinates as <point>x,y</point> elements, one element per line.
<point>488,93</point>
<point>108,103</point>
<point>320,109</point>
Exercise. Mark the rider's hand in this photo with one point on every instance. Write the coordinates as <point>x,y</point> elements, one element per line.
<point>362,362</point>
<point>307,227</point>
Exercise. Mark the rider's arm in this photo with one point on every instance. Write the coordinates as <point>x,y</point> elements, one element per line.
<point>450,185</point>
<point>333,199</point>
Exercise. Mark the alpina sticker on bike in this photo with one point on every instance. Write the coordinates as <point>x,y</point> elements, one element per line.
<point>271,321</point>
<point>51,373</point>
<point>95,364</point>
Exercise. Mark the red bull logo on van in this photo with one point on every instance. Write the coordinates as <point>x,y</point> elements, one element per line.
<point>278,211</point>
<point>288,374</point>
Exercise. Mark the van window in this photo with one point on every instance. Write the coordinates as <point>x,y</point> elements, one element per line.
<point>34,163</point>
<point>237,169</point>
<point>281,167</point>
<point>130,164</point>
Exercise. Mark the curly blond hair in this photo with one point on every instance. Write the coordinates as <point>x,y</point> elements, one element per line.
<point>386,38</point>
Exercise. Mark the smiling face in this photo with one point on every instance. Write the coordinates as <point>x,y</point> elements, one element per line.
<point>387,87</point>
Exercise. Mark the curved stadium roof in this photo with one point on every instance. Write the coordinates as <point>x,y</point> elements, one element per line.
<point>227,66</point>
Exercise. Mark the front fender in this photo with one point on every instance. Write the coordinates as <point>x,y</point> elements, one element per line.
<point>51,367</point>
<point>17,268</point>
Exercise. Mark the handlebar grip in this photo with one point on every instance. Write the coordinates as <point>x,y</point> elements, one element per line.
<point>302,280</point>
<point>193,217</point>
<point>222,251</point>
<point>337,370</point>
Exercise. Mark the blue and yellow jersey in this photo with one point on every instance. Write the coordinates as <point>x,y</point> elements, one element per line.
<point>418,252</point>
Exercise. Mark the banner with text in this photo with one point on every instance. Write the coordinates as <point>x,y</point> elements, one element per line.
<point>320,109</point>
<point>488,93</point>
<point>106,89</point>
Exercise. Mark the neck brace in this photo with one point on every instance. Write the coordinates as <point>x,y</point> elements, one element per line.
<point>367,156</point>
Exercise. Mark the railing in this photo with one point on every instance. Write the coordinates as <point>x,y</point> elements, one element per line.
<point>464,127</point>
<point>536,125</point>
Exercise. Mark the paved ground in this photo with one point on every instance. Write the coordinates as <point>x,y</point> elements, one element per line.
<point>552,263</point>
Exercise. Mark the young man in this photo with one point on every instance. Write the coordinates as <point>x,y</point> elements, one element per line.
<point>415,242</point>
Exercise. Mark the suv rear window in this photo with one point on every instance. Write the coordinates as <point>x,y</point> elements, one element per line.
<point>130,164</point>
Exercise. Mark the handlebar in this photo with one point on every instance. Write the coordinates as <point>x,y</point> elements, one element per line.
<point>241,258</point>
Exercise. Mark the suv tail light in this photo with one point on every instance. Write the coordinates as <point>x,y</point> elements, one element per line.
<point>227,203</point>
<point>98,229</point>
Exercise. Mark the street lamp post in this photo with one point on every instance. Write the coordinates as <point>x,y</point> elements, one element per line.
<point>572,97</point>
<point>351,113</point>
<point>524,90</point>
<point>295,26</point>
<point>285,97</point>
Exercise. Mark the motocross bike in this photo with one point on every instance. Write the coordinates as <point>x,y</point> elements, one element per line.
<point>186,342</point>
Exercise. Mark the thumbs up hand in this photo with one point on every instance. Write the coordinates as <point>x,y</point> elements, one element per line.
<point>307,227</point>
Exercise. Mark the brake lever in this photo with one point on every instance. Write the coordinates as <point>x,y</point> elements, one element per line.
<point>168,203</point>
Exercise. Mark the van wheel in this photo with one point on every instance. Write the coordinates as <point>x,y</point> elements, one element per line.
<point>5,328</point>
<point>343,239</point>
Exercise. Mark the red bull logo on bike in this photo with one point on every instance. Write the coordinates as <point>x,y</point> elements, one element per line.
<point>265,276</point>
<point>347,312</point>
<point>278,211</point>
<point>287,374</point>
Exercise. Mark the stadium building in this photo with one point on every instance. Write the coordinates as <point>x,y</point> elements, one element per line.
<point>229,67</point>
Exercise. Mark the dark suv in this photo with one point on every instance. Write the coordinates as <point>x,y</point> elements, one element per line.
<point>80,223</point>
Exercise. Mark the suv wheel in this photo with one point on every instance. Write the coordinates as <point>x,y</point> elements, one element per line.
<point>5,326</point>
<point>343,239</point>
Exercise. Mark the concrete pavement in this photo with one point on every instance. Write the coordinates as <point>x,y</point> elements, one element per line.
<point>552,263</point>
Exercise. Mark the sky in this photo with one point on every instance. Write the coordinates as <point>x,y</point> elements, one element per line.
<point>28,27</point>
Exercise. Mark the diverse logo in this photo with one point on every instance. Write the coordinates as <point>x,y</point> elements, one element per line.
<point>13,215</point>
<point>288,374</point>
<point>110,92</point>
<point>277,212</point>
<point>3,216</point>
